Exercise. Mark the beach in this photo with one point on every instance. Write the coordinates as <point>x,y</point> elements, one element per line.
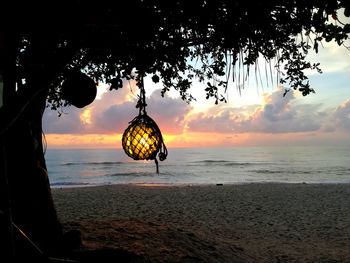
<point>262,222</point>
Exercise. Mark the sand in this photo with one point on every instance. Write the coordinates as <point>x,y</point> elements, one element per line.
<point>213,223</point>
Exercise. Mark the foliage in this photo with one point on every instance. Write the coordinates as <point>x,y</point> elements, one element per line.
<point>178,41</point>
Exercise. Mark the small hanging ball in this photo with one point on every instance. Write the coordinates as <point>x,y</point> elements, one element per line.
<point>142,139</point>
<point>79,89</point>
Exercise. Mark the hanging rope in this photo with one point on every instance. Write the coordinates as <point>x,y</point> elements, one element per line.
<point>143,140</point>
<point>141,104</point>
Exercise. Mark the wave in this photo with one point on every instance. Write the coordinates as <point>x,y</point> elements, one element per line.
<point>222,162</point>
<point>329,170</point>
<point>133,174</point>
<point>341,170</point>
<point>266,171</point>
<point>123,174</point>
<point>211,161</point>
<point>91,163</point>
<point>68,184</point>
<point>238,164</point>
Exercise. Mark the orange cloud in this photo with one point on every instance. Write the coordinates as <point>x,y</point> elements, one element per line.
<point>113,113</point>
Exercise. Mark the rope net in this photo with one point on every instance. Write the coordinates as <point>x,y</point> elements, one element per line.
<point>142,140</point>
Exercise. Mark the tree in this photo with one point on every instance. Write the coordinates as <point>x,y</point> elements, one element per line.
<point>50,45</point>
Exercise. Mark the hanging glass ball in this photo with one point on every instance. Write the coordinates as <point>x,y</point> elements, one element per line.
<point>142,139</point>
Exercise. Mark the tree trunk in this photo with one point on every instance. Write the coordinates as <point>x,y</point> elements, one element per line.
<point>30,194</point>
<point>30,202</point>
<point>7,67</point>
<point>24,177</point>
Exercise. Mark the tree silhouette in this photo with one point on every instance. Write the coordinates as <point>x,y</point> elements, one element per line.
<point>53,53</point>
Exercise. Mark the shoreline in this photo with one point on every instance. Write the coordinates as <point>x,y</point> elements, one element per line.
<point>254,222</point>
<point>78,186</point>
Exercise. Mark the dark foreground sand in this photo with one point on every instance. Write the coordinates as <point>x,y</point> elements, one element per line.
<point>229,223</point>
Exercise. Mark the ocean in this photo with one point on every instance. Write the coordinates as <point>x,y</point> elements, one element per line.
<point>193,166</point>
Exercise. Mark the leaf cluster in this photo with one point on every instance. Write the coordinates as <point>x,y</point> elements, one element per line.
<point>213,41</point>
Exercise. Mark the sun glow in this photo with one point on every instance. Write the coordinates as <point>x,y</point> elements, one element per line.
<point>102,88</point>
<point>85,117</point>
<point>55,140</point>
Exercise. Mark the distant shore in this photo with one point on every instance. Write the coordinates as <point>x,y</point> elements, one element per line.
<point>213,223</point>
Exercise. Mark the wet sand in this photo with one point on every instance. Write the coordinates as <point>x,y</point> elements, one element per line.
<point>213,223</point>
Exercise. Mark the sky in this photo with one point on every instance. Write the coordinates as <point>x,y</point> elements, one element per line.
<point>258,116</point>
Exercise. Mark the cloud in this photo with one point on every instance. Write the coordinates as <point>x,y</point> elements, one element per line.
<point>114,119</point>
<point>278,114</point>
<point>113,112</point>
<point>68,122</point>
<point>342,116</point>
<point>168,113</point>
<point>71,120</point>
<point>332,57</point>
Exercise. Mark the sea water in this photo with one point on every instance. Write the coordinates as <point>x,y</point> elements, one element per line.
<point>189,166</point>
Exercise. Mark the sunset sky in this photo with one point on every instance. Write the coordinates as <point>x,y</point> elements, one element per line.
<point>259,116</point>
